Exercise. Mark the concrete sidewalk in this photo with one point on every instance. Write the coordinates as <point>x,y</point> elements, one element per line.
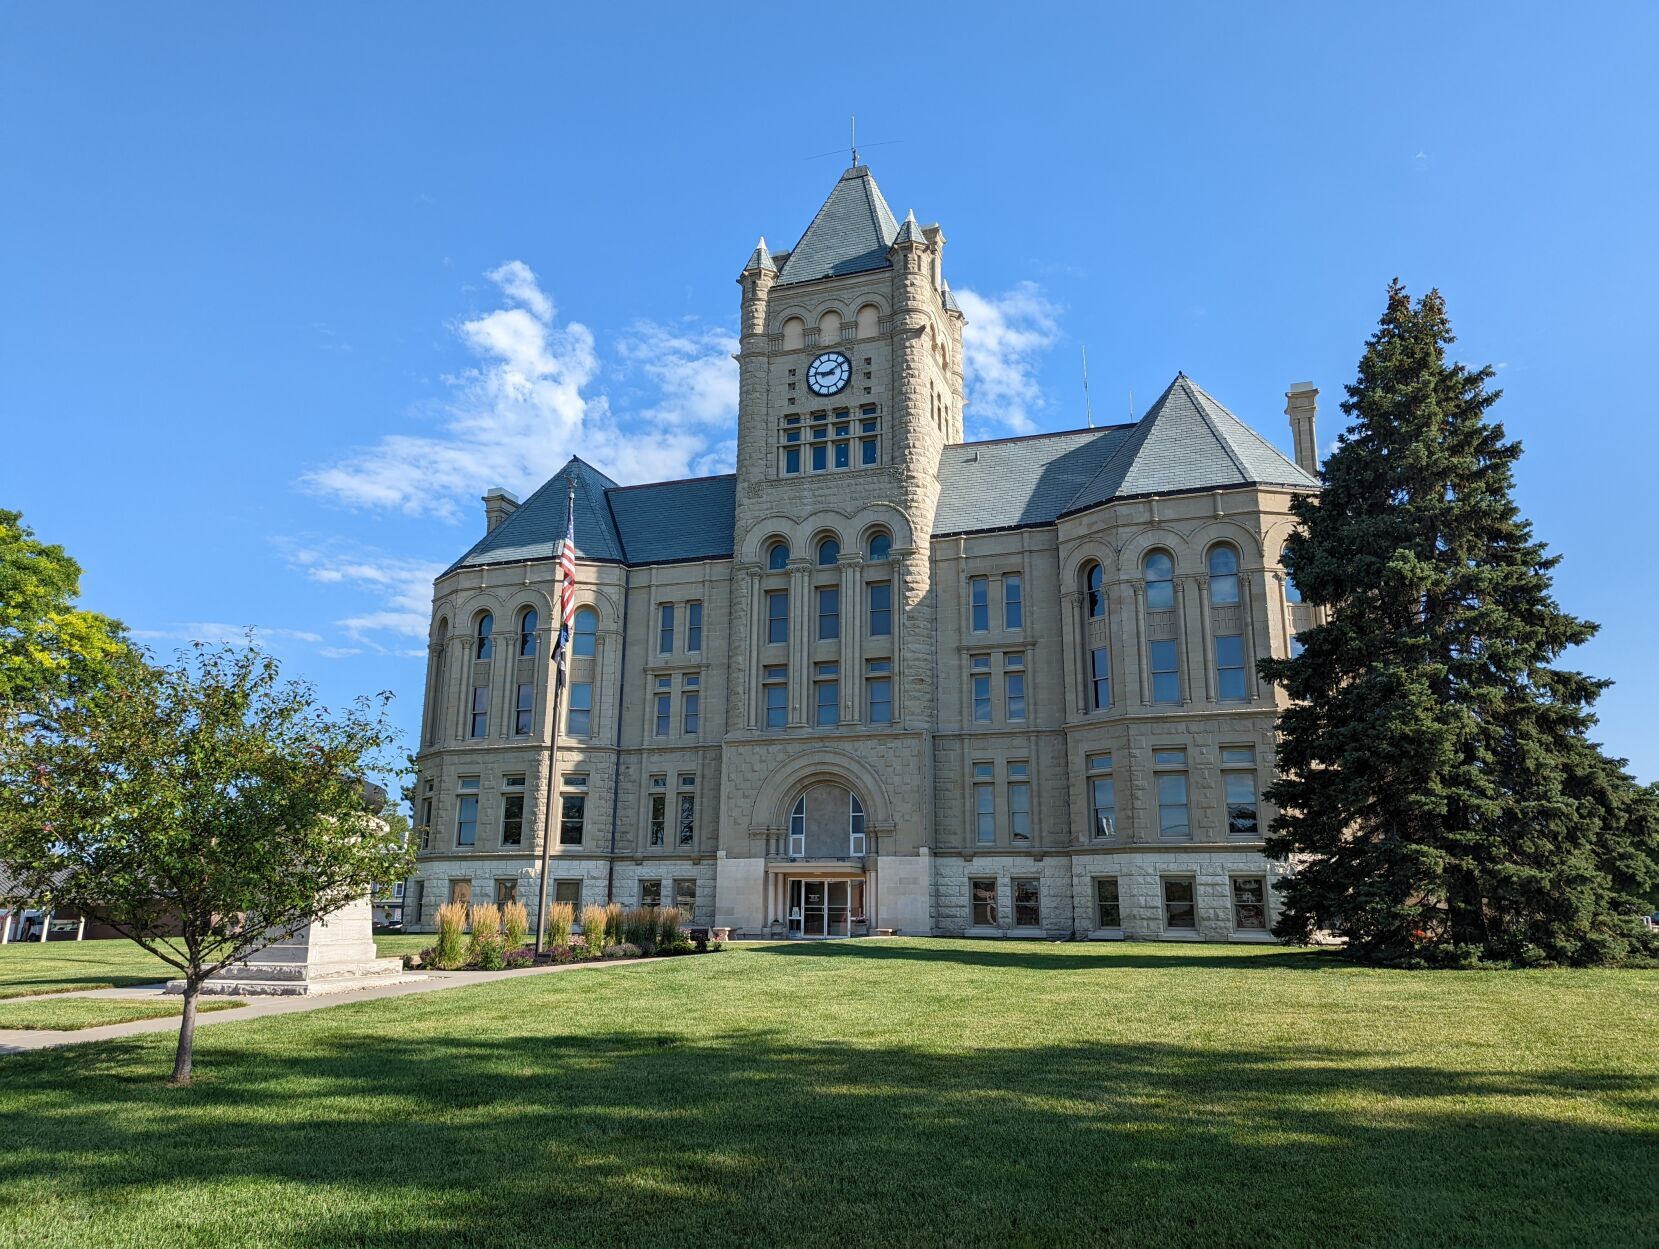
<point>21,1040</point>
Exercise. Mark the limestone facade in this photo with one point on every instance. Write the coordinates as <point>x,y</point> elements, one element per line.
<point>960,696</point>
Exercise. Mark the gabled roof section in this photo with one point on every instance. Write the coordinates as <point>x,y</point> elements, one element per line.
<point>1015,483</point>
<point>535,530</point>
<point>850,234</point>
<point>1188,441</point>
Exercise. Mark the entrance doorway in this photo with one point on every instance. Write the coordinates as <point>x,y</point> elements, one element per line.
<point>825,908</point>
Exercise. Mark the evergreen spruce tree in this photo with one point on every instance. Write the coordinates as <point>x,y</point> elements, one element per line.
<point>1438,793</point>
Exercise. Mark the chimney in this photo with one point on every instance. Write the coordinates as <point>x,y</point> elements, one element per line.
<point>499,504</point>
<point>1301,406</point>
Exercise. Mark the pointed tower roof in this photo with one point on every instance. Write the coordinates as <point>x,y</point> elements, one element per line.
<point>950,300</point>
<point>760,260</point>
<point>850,234</point>
<point>910,232</point>
<point>1188,441</point>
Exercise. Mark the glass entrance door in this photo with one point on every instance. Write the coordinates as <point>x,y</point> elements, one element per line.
<point>824,908</point>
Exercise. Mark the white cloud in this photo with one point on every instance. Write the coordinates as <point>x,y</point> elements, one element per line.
<point>1005,336</point>
<point>218,633</point>
<point>400,588</point>
<point>528,404</point>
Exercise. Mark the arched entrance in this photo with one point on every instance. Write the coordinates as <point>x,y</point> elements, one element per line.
<point>826,845</point>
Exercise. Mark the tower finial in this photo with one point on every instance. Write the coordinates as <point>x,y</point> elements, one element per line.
<point>855,140</point>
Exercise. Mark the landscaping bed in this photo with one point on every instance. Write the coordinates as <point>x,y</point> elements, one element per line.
<point>488,937</point>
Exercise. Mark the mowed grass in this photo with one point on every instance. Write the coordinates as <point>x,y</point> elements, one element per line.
<point>66,1014</point>
<point>31,967</point>
<point>876,1092</point>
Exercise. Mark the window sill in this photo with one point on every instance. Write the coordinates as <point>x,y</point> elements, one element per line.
<point>1181,934</point>
<point>1107,934</point>
<point>1253,936</point>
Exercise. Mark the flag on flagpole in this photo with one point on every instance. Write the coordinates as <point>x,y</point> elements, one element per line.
<point>567,586</point>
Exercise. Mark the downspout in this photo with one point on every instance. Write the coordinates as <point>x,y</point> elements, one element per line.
<point>616,767</point>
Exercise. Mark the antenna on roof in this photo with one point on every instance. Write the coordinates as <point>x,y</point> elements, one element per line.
<point>1131,406</point>
<point>1088,407</point>
<point>855,140</point>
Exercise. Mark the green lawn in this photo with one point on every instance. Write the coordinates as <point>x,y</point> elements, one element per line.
<point>877,1092</point>
<point>65,1014</point>
<point>30,967</point>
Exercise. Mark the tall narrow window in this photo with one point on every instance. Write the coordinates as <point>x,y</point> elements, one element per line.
<point>777,556</point>
<point>881,546</point>
<point>691,706</point>
<point>1160,582</point>
<point>985,805</point>
<point>829,612</point>
<point>855,837</point>
<point>775,682</point>
<point>573,811</point>
<point>777,616</point>
<point>1223,575</point>
<point>687,823</point>
<point>1238,783</point>
<point>1166,672</point>
<point>694,627</point>
<point>879,687</point>
<point>512,819</point>
<point>829,551</point>
<point>665,629</point>
<point>1170,777</point>
<point>826,684</point>
<point>1027,903</point>
<point>579,720</point>
<point>1103,798</point>
<point>983,893</point>
<point>1229,668</point>
<point>480,710</point>
<point>662,706</point>
<point>658,820</point>
<point>1094,591</point>
<point>980,680</point>
<point>1107,914</point>
<point>466,811</point>
<point>1013,601</point>
<point>1100,678</point>
<point>979,603</point>
<point>585,633</point>
<point>524,709</point>
<point>881,609</point>
<point>527,633</point>
<point>1019,802</point>
<point>650,894</point>
<point>1249,903</point>
<point>1013,693</point>
<point>486,638</point>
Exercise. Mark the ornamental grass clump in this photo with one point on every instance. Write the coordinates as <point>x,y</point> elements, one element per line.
<point>639,926</point>
<point>593,929</point>
<point>486,947</point>
<point>668,926</point>
<point>561,919</point>
<point>452,921</point>
<point>515,925</point>
<point>613,923</point>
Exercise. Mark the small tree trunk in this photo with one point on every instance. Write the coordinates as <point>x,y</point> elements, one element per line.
<point>187,1033</point>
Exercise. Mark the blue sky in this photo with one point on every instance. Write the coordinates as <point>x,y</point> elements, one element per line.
<point>283,290</point>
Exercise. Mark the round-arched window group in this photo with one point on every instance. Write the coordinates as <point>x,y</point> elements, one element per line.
<point>877,548</point>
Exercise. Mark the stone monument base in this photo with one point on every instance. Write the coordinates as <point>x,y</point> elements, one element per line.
<point>332,955</point>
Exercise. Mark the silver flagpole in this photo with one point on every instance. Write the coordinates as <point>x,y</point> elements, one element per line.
<point>553,747</point>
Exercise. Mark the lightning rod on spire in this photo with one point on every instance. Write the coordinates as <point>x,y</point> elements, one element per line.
<point>1088,406</point>
<point>854,121</point>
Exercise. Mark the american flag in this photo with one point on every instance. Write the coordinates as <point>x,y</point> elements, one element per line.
<point>567,586</point>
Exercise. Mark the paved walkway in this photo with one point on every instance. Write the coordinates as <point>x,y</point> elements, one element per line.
<point>19,1040</point>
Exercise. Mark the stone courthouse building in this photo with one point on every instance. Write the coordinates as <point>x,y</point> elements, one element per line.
<point>880,678</point>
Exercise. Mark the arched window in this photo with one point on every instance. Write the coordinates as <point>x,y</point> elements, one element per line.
<point>1223,574</point>
<point>777,556</point>
<point>827,821</point>
<point>585,632</point>
<point>855,839</point>
<point>486,643</point>
<point>881,545</point>
<point>1159,571</point>
<point>1094,591</point>
<point>829,328</point>
<point>527,633</point>
<point>829,551</point>
<point>869,321</point>
<point>1292,594</point>
<point>794,333</point>
<point>797,828</point>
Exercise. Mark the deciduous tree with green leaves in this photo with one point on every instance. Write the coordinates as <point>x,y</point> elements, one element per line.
<point>1438,792</point>
<point>204,809</point>
<point>49,648</point>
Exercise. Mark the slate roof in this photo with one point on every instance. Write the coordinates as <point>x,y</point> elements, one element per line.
<point>1012,483</point>
<point>1188,441</point>
<point>850,234</point>
<point>661,523</point>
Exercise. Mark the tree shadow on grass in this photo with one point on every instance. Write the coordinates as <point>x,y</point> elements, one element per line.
<point>670,1136</point>
<point>1064,956</point>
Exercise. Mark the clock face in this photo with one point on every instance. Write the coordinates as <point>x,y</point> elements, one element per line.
<point>829,373</point>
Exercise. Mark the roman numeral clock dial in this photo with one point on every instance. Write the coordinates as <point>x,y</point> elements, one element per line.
<point>829,373</point>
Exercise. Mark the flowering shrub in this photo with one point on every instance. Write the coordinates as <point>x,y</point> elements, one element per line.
<point>623,949</point>
<point>521,958</point>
